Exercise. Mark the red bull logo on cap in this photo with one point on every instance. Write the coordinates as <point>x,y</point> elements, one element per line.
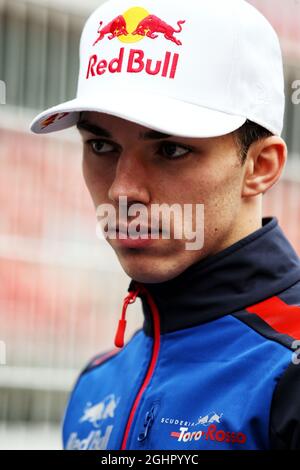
<point>132,26</point>
<point>135,24</point>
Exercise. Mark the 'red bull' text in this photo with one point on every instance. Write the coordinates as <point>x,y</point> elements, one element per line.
<point>136,63</point>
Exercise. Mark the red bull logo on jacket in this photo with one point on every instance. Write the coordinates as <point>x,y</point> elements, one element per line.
<point>134,25</point>
<point>96,414</point>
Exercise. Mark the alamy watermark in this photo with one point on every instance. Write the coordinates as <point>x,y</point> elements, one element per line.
<point>2,92</point>
<point>176,221</point>
<point>2,353</point>
<point>296,93</point>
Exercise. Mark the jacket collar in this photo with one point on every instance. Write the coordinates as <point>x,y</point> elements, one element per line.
<point>256,267</point>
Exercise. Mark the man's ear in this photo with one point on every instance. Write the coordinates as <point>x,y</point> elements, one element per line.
<point>265,162</point>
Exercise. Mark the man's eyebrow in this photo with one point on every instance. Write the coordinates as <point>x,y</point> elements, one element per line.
<point>101,132</point>
<point>153,135</point>
<point>93,129</point>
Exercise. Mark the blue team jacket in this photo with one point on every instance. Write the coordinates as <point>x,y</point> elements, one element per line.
<point>215,366</point>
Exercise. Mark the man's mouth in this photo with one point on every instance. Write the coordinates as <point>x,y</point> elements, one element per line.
<point>141,231</point>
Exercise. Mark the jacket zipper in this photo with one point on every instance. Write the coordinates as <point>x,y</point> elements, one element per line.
<point>119,342</point>
<point>149,419</point>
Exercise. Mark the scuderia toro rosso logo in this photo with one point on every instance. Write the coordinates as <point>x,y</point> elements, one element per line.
<point>134,25</point>
<point>205,428</point>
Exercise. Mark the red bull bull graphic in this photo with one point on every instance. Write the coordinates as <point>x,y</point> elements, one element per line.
<point>152,24</point>
<point>117,27</point>
<point>96,414</point>
<point>130,24</point>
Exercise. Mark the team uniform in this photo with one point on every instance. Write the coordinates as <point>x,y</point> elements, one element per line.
<point>215,365</point>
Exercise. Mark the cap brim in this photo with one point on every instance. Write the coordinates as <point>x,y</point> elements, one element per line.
<point>156,112</point>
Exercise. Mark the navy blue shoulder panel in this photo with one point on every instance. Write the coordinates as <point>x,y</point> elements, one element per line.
<point>278,319</point>
<point>99,359</point>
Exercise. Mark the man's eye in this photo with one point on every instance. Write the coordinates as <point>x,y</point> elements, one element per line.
<point>100,146</point>
<point>173,151</point>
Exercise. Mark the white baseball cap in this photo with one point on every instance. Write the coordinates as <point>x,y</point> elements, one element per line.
<point>191,68</point>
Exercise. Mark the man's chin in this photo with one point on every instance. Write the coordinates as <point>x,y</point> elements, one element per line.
<point>149,271</point>
<point>148,278</point>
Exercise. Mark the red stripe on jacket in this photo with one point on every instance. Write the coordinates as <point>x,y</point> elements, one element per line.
<point>280,316</point>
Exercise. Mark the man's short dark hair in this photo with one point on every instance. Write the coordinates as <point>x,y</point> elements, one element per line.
<point>246,135</point>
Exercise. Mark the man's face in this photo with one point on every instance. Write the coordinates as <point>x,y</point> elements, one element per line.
<point>148,169</point>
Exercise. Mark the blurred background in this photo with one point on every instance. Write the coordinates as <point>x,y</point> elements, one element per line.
<point>61,288</point>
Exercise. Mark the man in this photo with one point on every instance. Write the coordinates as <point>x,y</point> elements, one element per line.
<point>181,103</point>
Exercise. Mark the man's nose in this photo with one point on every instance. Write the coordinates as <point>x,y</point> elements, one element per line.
<point>131,179</point>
